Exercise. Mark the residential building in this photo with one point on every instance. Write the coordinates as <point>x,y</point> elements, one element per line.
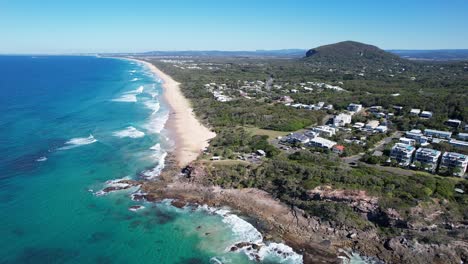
<point>381,129</point>
<point>398,108</point>
<point>297,138</point>
<point>462,136</point>
<point>453,123</point>
<point>408,141</point>
<point>459,143</point>
<point>457,161</point>
<point>415,111</point>
<point>425,114</point>
<point>428,158</point>
<point>341,120</point>
<point>417,135</point>
<point>325,131</point>
<point>372,124</point>
<point>339,149</point>
<point>437,133</point>
<point>321,143</point>
<point>354,107</point>
<point>402,153</point>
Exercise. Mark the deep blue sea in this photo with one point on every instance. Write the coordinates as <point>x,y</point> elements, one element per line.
<point>68,125</point>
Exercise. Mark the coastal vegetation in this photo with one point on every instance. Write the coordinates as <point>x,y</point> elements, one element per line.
<point>252,91</point>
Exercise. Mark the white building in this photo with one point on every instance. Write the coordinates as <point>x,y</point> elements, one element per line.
<point>437,133</point>
<point>455,160</point>
<point>429,158</point>
<point>407,141</point>
<point>381,129</point>
<point>402,153</point>
<point>417,135</point>
<point>341,120</point>
<point>358,125</point>
<point>321,143</point>
<point>325,131</point>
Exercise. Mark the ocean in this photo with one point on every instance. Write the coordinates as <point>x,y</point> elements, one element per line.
<point>68,125</point>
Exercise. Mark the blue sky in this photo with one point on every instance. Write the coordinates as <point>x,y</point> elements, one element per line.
<point>63,26</point>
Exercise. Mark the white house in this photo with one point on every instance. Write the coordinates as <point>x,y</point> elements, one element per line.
<point>322,143</point>
<point>341,120</point>
<point>437,133</point>
<point>381,129</point>
<point>325,131</point>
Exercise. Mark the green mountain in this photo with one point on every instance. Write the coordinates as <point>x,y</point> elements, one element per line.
<point>351,55</point>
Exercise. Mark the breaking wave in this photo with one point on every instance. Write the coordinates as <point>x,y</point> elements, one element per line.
<point>246,233</point>
<point>160,155</point>
<point>130,132</point>
<point>76,142</point>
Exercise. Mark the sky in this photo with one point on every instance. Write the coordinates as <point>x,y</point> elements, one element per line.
<point>76,26</point>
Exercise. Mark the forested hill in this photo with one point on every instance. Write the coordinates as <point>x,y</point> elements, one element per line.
<point>352,55</point>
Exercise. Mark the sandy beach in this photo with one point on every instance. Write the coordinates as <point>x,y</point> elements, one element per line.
<point>189,135</point>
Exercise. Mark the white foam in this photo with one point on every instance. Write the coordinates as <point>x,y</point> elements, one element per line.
<point>127,98</point>
<point>135,79</point>
<point>156,123</point>
<point>160,156</point>
<point>41,159</point>
<point>153,105</point>
<point>76,142</point>
<point>130,132</point>
<point>138,90</point>
<point>245,232</point>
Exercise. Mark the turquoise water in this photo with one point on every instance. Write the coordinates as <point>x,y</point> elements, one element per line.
<point>68,125</point>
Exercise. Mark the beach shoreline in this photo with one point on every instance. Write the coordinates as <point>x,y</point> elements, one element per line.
<point>189,135</point>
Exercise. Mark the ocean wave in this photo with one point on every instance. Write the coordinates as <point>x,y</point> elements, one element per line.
<point>160,155</point>
<point>76,142</point>
<point>156,123</point>
<point>138,90</point>
<point>152,105</point>
<point>134,79</point>
<point>128,98</point>
<point>116,185</point>
<point>130,132</point>
<point>246,235</point>
<point>42,159</point>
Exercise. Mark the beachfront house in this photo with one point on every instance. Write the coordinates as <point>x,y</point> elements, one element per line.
<point>402,153</point>
<point>456,162</point>
<point>428,158</point>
